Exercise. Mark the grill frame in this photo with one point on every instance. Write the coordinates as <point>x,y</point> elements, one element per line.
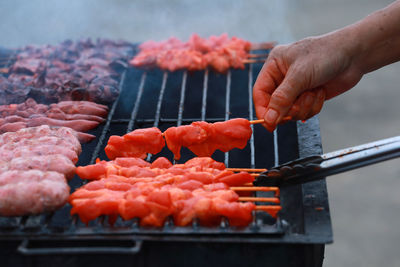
<point>313,228</point>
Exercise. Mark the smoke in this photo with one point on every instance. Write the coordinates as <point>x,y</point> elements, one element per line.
<point>50,22</point>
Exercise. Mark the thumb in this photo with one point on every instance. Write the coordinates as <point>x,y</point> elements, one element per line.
<point>283,98</point>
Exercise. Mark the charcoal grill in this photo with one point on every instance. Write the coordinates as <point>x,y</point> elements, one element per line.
<point>164,99</point>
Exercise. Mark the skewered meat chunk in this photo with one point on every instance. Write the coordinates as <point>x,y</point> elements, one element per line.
<point>218,52</point>
<point>196,192</point>
<point>135,144</point>
<point>204,138</point>
<point>31,192</point>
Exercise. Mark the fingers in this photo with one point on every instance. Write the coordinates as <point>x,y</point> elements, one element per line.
<point>307,105</point>
<point>268,79</point>
<point>283,98</point>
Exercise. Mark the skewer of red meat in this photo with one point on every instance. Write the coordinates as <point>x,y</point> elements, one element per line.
<point>200,190</point>
<point>201,138</point>
<point>204,138</point>
<point>218,52</point>
<point>135,144</point>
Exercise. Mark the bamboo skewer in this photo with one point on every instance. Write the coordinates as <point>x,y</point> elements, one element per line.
<point>260,199</point>
<point>256,188</point>
<point>258,55</point>
<point>257,60</point>
<point>268,208</point>
<point>245,170</point>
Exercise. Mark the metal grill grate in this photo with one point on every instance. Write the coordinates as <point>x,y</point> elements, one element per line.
<point>163,99</point>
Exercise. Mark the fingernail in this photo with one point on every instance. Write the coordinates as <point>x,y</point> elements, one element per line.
<point>271,116</point>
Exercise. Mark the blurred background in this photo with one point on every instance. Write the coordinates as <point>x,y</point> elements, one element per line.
<point>365,204</point>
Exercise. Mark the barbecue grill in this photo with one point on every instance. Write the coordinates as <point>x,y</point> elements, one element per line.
<point>163,99</point>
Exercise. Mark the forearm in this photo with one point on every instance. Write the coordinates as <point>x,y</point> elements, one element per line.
<point>376,39</point>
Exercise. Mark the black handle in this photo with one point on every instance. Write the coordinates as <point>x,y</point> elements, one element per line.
<point>23,249</point>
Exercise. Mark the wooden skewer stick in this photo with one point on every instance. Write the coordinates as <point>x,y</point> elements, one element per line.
<point>258,55</point>
<point>260,199</point>
<point>254,174</point>
<point>258,60</point>
<point>257,121</point>
<point>248,184</point>
<point>284,119</point>
<point>268,207</point>
<point>245,170</point>
<point>255,188</point>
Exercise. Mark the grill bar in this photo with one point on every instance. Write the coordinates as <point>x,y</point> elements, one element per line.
<point>251,117</point>
<point>276,151</point>
<point>137,103</point>
<point>106,127</point>
<point>182,99</point>
<point>204,99</point>
<point>227,108</point>
<point>159,103</point>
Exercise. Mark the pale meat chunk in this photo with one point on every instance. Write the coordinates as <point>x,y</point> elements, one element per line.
<point>57,163</point>
<point>31,192</point>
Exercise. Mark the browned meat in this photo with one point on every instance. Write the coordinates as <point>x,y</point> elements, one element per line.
<point>37,150</point>
<point>64,133</point>
<point>57,163</point>
<point>81,107</point>
<point>44,140</point>
<point>56,113</point>
<point>82,70</point>
<point>12,126</point>
<point>31,192</point>
<point>77,125</point>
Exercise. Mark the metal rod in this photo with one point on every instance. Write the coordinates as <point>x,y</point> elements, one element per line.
<point>204,100</point>
<point>106,127</point>
<point>137,103</point>
<point>159,102</point>
<point>182,100</point>
<point>227,107</point>
<point>276,152</point>
<point>252,147</point>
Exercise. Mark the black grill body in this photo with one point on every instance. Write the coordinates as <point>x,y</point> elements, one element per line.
<point>162,99</point>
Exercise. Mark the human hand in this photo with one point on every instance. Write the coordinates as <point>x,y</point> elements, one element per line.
<point>297,78</point>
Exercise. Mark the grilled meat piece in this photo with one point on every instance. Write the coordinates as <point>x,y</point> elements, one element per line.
<point>204,138</point>
<point>218,52</point>
<point>58,163</point>
<point>31,192</point>
<point>152,194</point>
<point>82,70</point>
<point>135,144</point>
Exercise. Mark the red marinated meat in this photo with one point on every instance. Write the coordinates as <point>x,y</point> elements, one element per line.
<point>204,138</point>
<point>218,52</point>
<point>135,144</point>
<point>155,192</point>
